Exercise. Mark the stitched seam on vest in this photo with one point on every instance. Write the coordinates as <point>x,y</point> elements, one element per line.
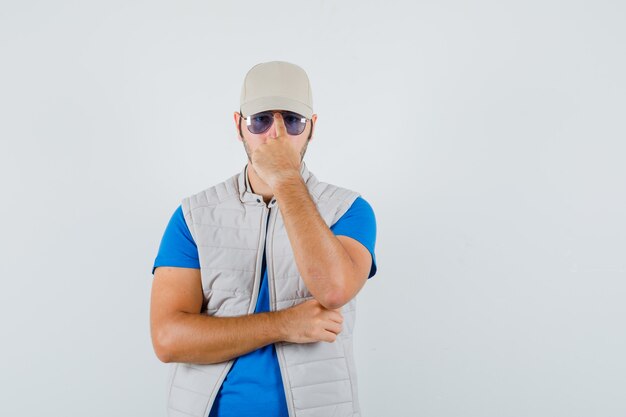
<point>225,247</point>
<point>190,223</point>
<point>224,309</point>
<point>181,411</point>
<point>224,227</point>
<point>238,210</point>
<point>315,360</point>
<point>325,405</point>
<point>240,294</point>
<point>230,291</point>
<point>201,370</point>
<point>169,394</point>
<point>320,383</point>
<point>190,390</point>
<point>349,375</point>
<point>231,197</point>
<point>227,269</point>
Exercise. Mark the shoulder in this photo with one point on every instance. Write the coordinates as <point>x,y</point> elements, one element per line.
<point>361,205</point>
<point>360,212</point>
<point>361,208</point>
<point>211,196</point>
<point>330,197</point>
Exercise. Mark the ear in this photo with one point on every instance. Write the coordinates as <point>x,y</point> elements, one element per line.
<point>313,121</point>
<point>238,120</point>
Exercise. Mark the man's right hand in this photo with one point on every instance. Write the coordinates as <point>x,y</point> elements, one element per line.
<point>310,322</point>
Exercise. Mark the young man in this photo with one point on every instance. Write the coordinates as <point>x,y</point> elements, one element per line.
<point>253,298</point>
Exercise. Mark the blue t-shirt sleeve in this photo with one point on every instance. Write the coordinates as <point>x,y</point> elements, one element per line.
<point>177,246</point>
<point>359,223</point>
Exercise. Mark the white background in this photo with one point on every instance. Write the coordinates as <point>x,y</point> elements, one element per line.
<point>488,136</point>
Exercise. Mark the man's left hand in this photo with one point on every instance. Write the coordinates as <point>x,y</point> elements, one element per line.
<point>277,159</point>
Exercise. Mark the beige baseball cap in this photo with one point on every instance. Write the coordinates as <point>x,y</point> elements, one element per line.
<point>276,85</point>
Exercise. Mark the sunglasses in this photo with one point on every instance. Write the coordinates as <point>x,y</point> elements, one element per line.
<point>259,122</point>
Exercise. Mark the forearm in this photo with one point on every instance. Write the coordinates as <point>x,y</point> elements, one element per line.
<point>321,259</point>
<point>199,338</point>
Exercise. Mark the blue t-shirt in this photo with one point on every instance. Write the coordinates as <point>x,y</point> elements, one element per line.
<point>254,386</point>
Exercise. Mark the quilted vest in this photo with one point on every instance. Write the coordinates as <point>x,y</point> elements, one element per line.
<point>231,227</point>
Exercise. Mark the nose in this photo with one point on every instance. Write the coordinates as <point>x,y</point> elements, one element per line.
<point>271,132</point>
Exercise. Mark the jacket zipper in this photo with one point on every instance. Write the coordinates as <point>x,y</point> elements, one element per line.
<point>272,291</point>
<point>259,262</point>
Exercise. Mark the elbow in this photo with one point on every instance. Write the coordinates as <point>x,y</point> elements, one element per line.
<point>340,293</point>
<point>162,347</point>
<point>334,299</point>
<point>163,356</point>
<point>333,305</point>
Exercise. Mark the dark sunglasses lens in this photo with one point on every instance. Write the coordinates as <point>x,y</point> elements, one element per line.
<point>294,123</point>
<point>260,122</point>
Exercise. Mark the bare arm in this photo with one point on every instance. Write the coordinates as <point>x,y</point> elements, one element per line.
<point>180,333</point>
<point>334,268</point>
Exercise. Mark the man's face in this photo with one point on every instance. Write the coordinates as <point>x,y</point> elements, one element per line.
<point>252,141</point>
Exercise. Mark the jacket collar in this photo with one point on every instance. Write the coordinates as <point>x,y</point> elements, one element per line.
<point>245,190</point>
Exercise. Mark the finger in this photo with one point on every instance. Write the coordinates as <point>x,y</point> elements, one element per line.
<point>281,130</point>
<point>329,337</point>
<point>334,327</point>
<point>336,317</point>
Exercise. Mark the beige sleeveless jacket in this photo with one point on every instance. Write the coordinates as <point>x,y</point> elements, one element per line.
<point>228,223</point>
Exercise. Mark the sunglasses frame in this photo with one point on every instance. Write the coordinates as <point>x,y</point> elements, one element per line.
<point>271,113</point>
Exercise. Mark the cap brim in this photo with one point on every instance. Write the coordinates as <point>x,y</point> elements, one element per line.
<point>275,103</point>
